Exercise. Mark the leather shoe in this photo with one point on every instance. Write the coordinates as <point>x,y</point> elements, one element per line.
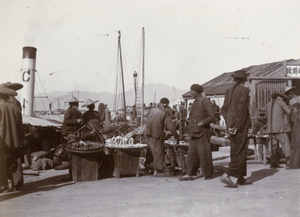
<point>243,181</point>
<point>208,177</point>
<point>186,178</point>
<point>158,175</point>
<point>228,181</point>
<point>275,165</point>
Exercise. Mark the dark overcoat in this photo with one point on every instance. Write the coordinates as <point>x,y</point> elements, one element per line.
<point>236,107</point>
<point>70,124</point>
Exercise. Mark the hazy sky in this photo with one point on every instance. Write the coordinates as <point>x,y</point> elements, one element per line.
<point>186,41</point>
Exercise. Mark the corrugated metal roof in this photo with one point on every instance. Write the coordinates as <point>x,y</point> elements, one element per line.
<point>44,120</point>
<point>221,83</point>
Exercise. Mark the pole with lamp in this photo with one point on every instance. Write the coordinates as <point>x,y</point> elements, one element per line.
<point>136,103</point>
<point>135,90</point>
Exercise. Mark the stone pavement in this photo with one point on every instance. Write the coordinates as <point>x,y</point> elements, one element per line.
<point>274,192</point>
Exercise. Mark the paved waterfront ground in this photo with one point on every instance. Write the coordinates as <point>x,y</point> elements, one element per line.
<point>274,192</point>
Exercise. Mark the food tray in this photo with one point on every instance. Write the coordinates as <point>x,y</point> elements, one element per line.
<point>85,146</point>
<point>126,146</point>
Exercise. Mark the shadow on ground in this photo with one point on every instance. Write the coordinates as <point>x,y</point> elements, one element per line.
<point>47,184</point>
<point>261,174</point>
<point>255,175</point>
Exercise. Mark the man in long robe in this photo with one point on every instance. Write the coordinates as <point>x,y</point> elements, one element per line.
<point>72,118</point>
<point>10,138</point>
<point>278,114</point>
<point>236,114</point>
<point>18,173</point>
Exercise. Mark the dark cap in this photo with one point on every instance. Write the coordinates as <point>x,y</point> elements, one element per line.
<point>164,100</point>
<point>240,74</point>
<point>196,87</point>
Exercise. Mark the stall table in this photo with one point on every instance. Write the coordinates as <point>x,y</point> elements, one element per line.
<point>260,143</point>
<point>262,147</point>
<point>179,149</point>
<point>126,159</point>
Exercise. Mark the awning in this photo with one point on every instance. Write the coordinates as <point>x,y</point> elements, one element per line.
<point>44,120</point>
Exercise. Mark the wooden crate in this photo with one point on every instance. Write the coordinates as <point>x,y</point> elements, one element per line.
<point>126,162</point>
<point>84,166</point>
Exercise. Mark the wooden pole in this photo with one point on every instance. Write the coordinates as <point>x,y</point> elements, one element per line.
<point>143,78</point>
<point>121,64</point>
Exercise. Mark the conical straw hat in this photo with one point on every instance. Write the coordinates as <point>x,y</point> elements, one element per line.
<point>89,102</point>
<point>74,99</point>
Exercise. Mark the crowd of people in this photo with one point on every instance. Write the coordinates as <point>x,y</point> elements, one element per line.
<point>281,116</point>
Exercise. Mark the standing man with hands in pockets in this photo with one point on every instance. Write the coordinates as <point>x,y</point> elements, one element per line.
<point>199,153</point>
<point>236,114</point>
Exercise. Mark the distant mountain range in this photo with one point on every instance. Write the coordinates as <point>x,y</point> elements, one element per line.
<point>152,93</point>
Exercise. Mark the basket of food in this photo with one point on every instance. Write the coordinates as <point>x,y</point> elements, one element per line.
<point>85,145</point>
<point>123,143</point>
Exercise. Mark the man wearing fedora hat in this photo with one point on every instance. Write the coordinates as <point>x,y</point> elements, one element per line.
<point>15,87</point>
<point>10,138</point>
<point>292,94</point>
<point>236,114</point>
<point>278,115</point>
<point>72,118</point>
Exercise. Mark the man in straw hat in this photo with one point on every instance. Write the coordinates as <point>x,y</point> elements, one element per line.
<point>92,118</point>
<point>91,113</point>
<point>236,114</point>
<point>72,118</point>
<point>18,174</point>
<point>292,94</point>
<point>10,138</point>
<point>278,115</point>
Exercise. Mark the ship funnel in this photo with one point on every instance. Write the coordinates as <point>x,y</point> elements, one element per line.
<point>28,78</point>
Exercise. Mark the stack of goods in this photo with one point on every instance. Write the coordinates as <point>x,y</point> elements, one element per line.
<point>173,141</point>
<point>120,142</point>
<point>262,134</point>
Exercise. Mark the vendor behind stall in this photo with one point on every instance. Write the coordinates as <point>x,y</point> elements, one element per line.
<point>91,113</point>
<point>157,121</point>
<point>72,118</point>
<point>92,121</point>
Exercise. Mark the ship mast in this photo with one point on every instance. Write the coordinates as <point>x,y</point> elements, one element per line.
<point>143,78</point>
<point>122,75</point>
